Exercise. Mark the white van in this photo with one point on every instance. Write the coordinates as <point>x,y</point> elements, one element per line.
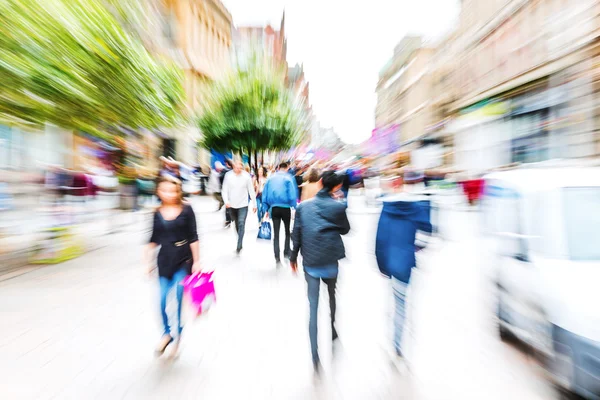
<point>545,230</point>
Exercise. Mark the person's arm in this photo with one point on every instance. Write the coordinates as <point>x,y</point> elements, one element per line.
<point>296,239</point>
<point>423,217</point>
<point>344,223</point>
<point>225,190</point>
<point>193,239</point>
<point>265,194</point>
<point>150,249</point>
<point>251,192</point>
<point>292,193</point>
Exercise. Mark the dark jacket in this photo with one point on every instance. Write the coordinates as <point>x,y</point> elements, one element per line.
<point>318,227</point>
<point>395,245</point>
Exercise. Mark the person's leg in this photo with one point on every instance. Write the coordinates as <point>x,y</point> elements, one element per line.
<point>399,313</point>
<point>259,208</point>
<point>313,302</point>
<point>242,213</point>
<point>228,217</point>
<point>331,284</point>
<point>219,198</point>
<point>276,216</point>
<point>287,216</point>
<point>165,288</point>
<point>233,216</point>
<point>178,281</point>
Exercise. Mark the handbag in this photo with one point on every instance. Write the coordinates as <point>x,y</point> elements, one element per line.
<point>264,232</point>
<point>200,289</point>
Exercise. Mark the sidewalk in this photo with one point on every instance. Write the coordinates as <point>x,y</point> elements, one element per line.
<point>86,329</point>
<point>22,227</point>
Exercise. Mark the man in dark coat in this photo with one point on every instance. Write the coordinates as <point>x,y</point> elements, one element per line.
<point>318,227</point>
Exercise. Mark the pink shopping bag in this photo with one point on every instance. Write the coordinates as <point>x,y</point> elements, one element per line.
<point>200,289</point>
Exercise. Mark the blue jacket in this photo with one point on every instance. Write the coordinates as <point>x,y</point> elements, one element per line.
<point>318,227</point>
<point>395,245</point>
<point>280,191</point>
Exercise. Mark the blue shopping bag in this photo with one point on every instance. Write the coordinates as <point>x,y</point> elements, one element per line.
<point>264,232</point>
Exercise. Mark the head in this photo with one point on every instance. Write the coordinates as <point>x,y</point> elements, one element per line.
<point>262,172</point>
<point>313,175</point>
<point>169,192</point>
<point>284,167</point>
<point>238,167</point>
<point>331,181</point>
<point>229,164</point>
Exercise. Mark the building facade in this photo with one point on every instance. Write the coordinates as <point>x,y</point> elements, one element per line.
<point>525,82</point>
<point>266,42</point>
<point>404,91</point>
<point>299,87</point>
<point>197,35</point>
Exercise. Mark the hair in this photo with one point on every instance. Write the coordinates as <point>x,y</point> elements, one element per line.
<point>313,175</point>
<point>174,181</point>
<point>283,165</point>
<point>330,180</point>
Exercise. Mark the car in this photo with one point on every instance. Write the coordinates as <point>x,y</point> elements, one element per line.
<point>544,229</point>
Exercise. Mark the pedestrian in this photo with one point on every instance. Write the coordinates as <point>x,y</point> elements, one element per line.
<point>402,217</point>
<point>279,198</point>
<point>312,186</point>
<point>215,183</point>
<point>318,227</point>
<point>237,189</point>
<point>299,178</point>
<point>259,185</point>
<point>346,183</point>
<point>228,166</point>
<point>174,230</point>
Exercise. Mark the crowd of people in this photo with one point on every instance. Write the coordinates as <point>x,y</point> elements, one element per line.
<point>307,201</point>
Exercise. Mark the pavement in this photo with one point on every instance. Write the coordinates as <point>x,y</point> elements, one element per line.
<point>86,329</point>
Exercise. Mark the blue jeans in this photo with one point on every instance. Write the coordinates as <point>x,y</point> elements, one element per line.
<point>260,208</point>
<point>166,285</point>
<point>399,312</point>
<point>238,215</point>
<point>313,301</point>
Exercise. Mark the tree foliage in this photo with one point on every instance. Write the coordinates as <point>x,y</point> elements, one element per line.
<point>251,110</point>
<point>70,63</point>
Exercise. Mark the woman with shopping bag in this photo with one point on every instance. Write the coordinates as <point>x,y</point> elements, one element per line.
<point>259,184</point>
<point>174,230</point>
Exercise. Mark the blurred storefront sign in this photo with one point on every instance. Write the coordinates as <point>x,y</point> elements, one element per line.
<point>383,140</point>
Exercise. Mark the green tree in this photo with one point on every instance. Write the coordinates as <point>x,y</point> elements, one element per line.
<point>251,110</point>
<point>70,63</point>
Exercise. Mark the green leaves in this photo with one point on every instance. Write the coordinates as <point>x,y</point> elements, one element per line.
<point>251,110</point>
<point>70,63</point>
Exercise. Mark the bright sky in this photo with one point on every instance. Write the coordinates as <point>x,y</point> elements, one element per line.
<point>343,45</point>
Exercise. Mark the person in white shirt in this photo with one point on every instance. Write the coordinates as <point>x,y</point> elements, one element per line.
<point>237,189</point>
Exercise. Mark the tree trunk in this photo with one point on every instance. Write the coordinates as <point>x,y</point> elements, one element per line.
<point>256,162</point>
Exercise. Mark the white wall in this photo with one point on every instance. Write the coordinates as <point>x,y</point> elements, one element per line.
<point>483,146</point>
<point>30,150</point>
<point>426,157</point>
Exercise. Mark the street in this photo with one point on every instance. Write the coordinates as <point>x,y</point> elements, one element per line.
<point>86,329</point>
